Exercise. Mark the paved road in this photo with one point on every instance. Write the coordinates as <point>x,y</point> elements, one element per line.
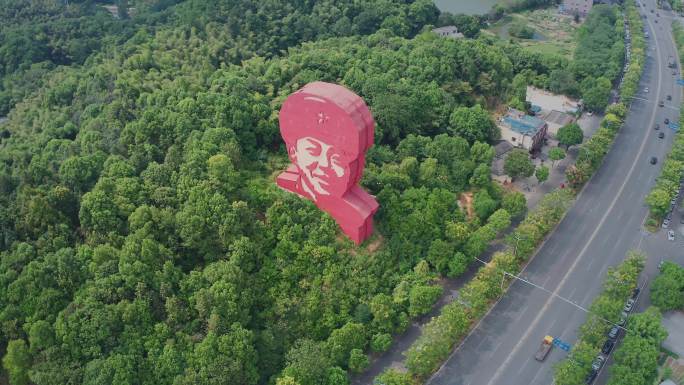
<point>597,232</point>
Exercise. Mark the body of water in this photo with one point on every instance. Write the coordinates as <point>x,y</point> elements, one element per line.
<point>469,7</point>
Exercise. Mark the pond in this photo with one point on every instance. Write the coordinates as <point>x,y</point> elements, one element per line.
<point>469,7</point>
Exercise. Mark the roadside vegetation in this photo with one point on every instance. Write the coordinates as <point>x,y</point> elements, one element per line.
<point>457,318</point>
<point>667,289</point>
<point>604,313</point>
<point>660,199</point>
<point>142,239</point>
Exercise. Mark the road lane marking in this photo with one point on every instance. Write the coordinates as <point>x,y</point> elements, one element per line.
<point>523,366</point>
<point>548,302</point>
<point>521,313</point>
<point>495,349</point>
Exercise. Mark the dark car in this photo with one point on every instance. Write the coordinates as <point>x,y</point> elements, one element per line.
<point>661,135</point>
<point>607,347</point>
<point>654,160</point>
<point>598,363</point>
<point>590,377</point>
<point>669,97</point>
<point>635,293</point>
<point>613,333</point>
<point>661,104</point>
<point>667,121</point>
<point>657,126</point>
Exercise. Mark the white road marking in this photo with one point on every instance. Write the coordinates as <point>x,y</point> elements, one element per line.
<point>536,320</point>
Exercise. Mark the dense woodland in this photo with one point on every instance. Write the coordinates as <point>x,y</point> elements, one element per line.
<point>142,238</point>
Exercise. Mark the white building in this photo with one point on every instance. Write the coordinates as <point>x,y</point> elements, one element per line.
<point>448,31</point>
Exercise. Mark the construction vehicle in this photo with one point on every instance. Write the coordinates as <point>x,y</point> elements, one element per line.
<point>544,348</point>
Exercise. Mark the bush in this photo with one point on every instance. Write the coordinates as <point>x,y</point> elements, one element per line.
<point>422,297</point>
<point>521,30</point>
<point>381,342</point>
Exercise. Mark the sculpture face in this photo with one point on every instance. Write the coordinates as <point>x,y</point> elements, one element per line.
<point>327,130</point>
<point>321,167</point>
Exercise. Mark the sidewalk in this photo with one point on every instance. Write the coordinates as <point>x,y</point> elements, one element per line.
<point>394,356</point>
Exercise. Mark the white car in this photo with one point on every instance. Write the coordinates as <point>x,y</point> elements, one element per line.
<point>670,235</point>
<point>646,90</point>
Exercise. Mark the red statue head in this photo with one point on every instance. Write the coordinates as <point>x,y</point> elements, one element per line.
<point>327,130</point>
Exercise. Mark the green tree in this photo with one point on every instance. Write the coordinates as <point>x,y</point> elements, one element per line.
<point>17,362</point>
<point>345,339</point>
<point>518,164</point>
<point>658,202</point>
<point>515,203</point>
<point>667,289</point>
<point>483,204</point>
<point>556,154</point>
<point>358,361</point>
<point>595,93</point>
<point>473,124</point>
<point>421,299</point>
<point>307,363</point>
<point>648,325</point>
<point>542,174</point>
<point>570,135</point>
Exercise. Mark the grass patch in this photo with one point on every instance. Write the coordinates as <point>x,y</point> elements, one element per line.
<point>555,33</point>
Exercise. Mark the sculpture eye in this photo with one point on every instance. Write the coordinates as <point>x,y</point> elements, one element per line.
<point>313,148</point>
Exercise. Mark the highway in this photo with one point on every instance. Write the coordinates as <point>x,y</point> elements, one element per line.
<point>604,223</point>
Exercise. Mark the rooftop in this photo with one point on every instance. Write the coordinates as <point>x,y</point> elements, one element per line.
<point>447,29</point>
<point>522,123</point>
<point>559,118</point>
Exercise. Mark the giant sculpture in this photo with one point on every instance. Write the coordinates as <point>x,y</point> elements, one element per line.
<point>327,130</point>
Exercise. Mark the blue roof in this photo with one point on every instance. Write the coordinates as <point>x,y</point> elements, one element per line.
<point>535,108</point>
<point>526,124</point>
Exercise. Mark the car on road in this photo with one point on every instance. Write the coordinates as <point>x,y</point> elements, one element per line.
<point>544,349</point>
<point>629,305</point>
<point>661,104</point>
<point>668,97</point>
<point>646,89</point>
<point>667,121</point>
<point>614,332</point>
<point>661,135</point>
<point>598,363</point>
<point>666,223</point>
<point>654,160</point>
<point>670,235</point>
<point>607,347</point>
<point>657,126</point>
<point>635,293</point>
